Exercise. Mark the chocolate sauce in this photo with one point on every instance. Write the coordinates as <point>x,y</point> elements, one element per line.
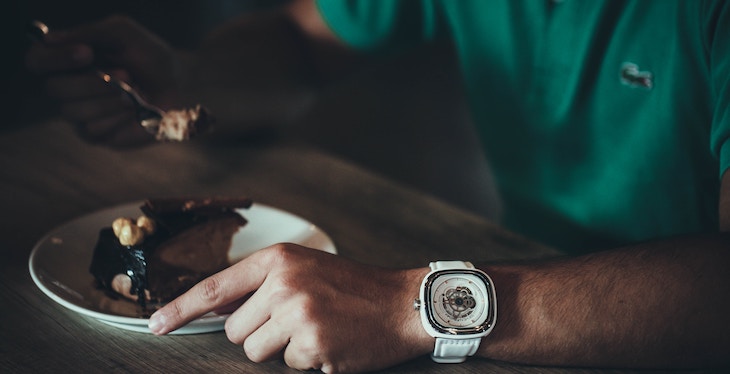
<point>112,258</point>
<point>147,271</point>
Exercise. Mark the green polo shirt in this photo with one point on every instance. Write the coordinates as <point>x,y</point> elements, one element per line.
<point>606,122</point>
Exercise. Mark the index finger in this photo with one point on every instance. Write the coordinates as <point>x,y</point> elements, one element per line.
<point>210,294</point>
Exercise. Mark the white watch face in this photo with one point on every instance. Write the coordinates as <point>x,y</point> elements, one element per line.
<point>459,301</point>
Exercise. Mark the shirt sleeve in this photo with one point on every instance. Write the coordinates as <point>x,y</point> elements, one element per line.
<point>381,25</point>
<point>719,54</point>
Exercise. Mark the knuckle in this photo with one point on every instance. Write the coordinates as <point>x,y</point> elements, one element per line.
<point>306,310</point>
<point>266,256</point>
<point>289,288</point>
<point>176,311</point>
<point>210,290</point>
<point>301,359</point>
<point>278,252</point>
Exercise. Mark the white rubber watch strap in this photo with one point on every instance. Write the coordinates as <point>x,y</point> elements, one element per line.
<point>453,351</point>
<point>444,265</point>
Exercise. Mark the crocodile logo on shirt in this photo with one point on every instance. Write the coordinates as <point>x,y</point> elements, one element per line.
<point>632,76</point>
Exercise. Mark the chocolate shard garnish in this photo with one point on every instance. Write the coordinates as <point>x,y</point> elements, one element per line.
<point>176,205</point>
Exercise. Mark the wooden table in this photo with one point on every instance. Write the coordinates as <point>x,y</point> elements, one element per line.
<point>49,177</point>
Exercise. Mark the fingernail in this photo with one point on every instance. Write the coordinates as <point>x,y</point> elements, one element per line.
<point>157,324</point>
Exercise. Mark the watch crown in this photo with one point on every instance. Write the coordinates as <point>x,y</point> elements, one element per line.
<point>416,304</point>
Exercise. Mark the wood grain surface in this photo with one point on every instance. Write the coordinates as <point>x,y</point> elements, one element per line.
<point>49,177</point>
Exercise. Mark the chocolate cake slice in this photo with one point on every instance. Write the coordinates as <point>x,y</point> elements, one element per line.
<point>174,244</point>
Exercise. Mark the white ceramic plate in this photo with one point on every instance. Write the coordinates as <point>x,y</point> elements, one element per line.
<point>59,263</point>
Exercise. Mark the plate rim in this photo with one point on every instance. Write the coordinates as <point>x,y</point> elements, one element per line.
<point>206,323</point>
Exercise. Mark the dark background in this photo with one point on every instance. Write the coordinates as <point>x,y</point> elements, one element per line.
<point>405,118</point>
<point>180,22</point>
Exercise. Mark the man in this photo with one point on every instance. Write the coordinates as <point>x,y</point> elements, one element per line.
<point>606,123</point>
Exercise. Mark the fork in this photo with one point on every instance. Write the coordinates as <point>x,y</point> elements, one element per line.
<point>148,115</point>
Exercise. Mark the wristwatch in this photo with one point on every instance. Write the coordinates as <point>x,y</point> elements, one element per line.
<point>458,306</point>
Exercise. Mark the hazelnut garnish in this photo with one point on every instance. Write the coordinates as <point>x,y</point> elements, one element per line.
<point>146,224</point>
<point>130,234</point>
<point>118,223</point>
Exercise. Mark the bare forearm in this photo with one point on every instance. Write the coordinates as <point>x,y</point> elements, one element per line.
<point>659,304</point>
